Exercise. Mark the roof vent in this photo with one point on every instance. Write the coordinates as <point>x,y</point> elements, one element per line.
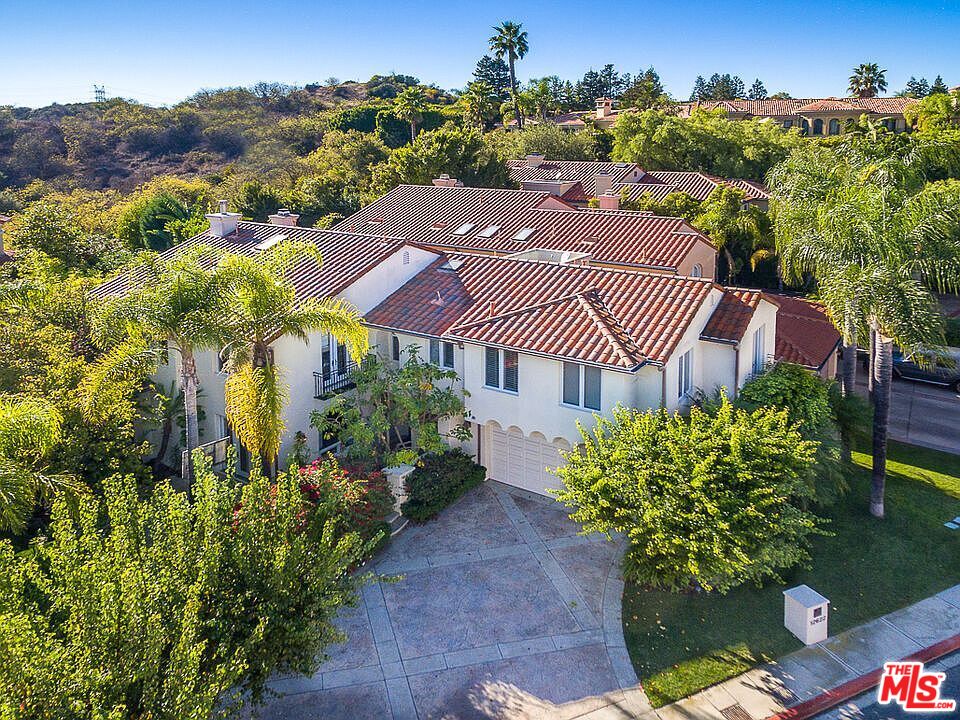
<point>446,181</point>
<point>223,223</point>
<point>375,221</point>
<point>270,242</point>
<point>284,217</point>
<point>439,225</point>
<point>535,160</point>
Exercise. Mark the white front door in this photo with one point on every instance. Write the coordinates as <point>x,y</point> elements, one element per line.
<point>521,461</point>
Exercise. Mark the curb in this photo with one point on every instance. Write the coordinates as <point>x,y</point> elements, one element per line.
<point>850,689</point>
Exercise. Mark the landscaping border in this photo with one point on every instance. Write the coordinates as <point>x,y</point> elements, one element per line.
<point>852,688</point>
<point>611,612</point>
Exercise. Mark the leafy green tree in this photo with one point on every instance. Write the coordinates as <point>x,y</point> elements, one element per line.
<point>916,88</point>
<point>510,41</point>
<point>30,428</point>
<point>676,204</point>
<point>175,309</point>
<point>739,230</point>
<point>163,212</point>
<point>547,139</point>
<point>699,92</point>
<point>867,80</point>
<point>757,91</point>
<point>493,71</point>
<point>645,92</point>
<point>934,113</point>
<point>256,200</point>
<point>711,502</point>
<point>416,395</point>
<point>173,609</point>
<point>348,157</point>
<point>460,153</point>
<point>479,103</point>
<point>409,107</point>
<point>259,305</point>
<point>939,86</point>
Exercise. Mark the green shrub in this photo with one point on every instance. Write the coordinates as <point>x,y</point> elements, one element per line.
<point>438,481</point>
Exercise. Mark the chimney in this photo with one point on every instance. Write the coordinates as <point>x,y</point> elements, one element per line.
<point>603,184</point>
<point>284,217</point>
<point>535,160</point>
<point>604,107</point>
<point>223,223</point>
<point>609,201</point>
<point>446,181</point>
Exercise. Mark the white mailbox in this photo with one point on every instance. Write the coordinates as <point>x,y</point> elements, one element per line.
<point>805,614</point>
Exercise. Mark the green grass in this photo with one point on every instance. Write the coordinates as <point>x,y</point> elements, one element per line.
<point>682,643</point>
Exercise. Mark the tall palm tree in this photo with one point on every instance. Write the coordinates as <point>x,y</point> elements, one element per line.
<point>510,41</point>
<point>730,225</point>
<point>477,101</point>
<point>868,80</point>
<point>877,238</point>
<point>30,428</point>
<point>175,309</point>
<point>261,306</point>
<point>409,107</point>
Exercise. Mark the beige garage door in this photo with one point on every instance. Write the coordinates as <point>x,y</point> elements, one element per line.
<point>522,461</point>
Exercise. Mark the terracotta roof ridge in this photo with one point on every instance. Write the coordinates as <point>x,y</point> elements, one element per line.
<point>517,311</point>
<point>610,327</point>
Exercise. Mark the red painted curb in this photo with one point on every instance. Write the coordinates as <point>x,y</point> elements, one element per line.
<point>858,686</point>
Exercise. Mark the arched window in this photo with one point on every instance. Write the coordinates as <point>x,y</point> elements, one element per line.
<point>697,270</point>
<point>804,126</point>
<point>834,127</point>
<point>818,127</point>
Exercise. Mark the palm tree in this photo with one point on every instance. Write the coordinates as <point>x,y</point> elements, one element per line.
<point>477,101</point>
<point>262,306</point>
<point>175,308</point>
<point>510,41</point>
<point>409,107</point>
<point>876,237</point>
<point>868,80</point>
<point>731,225</point>
<point>30,428</point>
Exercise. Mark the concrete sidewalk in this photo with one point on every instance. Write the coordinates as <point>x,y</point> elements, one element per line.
<point>774,687</point>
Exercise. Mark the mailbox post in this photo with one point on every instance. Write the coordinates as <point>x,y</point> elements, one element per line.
<point>805,614</point>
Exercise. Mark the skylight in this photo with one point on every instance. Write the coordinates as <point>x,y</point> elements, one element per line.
<point>464,229</point>
<point>524,234</point>
<point>489,231</point>
<point>270,242</point>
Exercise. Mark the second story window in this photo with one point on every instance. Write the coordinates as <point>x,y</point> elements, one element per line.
<point>581,386</point>
<point>759,356</point>
<point>501,369</point>
<point>685,374</point>
<point>395,348</point>
<point>441,353</point>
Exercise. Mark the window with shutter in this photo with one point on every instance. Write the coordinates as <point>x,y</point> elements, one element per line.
<point>510,370</point>
<point>448,355</point>
<point>492,367</point>
<point>591,388</point>
<point>571,384</point>
<point>434,352</point>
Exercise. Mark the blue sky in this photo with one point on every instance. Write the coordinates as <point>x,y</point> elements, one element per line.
<point>161,52</point>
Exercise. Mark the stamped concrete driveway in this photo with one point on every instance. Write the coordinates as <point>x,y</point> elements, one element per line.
<point>502,611</point>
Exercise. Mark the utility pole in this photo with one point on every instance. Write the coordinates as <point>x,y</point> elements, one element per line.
<point>99,94</point>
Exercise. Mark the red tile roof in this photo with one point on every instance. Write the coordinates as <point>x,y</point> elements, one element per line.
<point>583,172</point>
<point>617,318</point>
<point>805,335</point>
<point>787,107</point>
<point>699,185</point>
<point>731,316</point>
<point>430,216</point>
<point>346,257</point>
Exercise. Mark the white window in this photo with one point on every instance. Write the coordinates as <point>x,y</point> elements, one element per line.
<point>697,270</point>
<point>501,369</point>
<point>441,353</point>
<point>685,374</point>
<point>759,354</point>
<point>581,386</point>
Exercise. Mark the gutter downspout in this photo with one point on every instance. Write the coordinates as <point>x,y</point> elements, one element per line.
<point>736,370</point>
<point>663,386</point>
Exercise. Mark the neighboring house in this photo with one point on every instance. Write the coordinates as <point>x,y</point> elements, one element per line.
<point>542,345</point>
<point>812,116</point>
<point>805,335</point>
<point>579,182</point>
<point>529,223</point>
<point>540,339</point>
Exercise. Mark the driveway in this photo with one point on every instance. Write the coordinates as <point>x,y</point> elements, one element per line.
<point>502,611</point>
<point>922,414</point>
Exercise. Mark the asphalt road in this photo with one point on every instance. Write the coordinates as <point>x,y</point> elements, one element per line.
<point>949,689</point>
<point>923,414</point>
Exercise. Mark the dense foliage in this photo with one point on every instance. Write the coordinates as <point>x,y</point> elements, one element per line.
<point>712,501</point>
<point>438,481</point>
<point>165,607</point>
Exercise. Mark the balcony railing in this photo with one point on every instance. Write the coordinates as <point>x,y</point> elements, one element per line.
<point>334,381</point>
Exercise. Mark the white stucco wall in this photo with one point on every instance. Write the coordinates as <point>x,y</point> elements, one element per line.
<point>765,315</point>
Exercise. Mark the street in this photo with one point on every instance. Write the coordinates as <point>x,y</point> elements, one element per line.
<point>922,414</point>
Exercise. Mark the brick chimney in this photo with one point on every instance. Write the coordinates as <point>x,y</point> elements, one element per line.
<point>604,107</point>
<point>284,217</point>
<point>609,201</point>
<point>446,181</point>
<point>603,182</point>
<point>223,223</point>
<point>535,160</point>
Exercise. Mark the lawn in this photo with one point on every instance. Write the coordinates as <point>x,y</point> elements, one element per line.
<point>682,643</point>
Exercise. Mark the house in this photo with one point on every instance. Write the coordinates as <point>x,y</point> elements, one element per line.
<point>579,182</point>
<point>535,222</point>
<point>812,116</point>
<point>541,337</point>
<point>542,345</point>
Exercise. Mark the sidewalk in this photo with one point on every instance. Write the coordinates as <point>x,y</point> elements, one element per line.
<point>774,687</point>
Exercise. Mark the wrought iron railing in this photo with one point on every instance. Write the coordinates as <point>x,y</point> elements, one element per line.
<point>333,381</point>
